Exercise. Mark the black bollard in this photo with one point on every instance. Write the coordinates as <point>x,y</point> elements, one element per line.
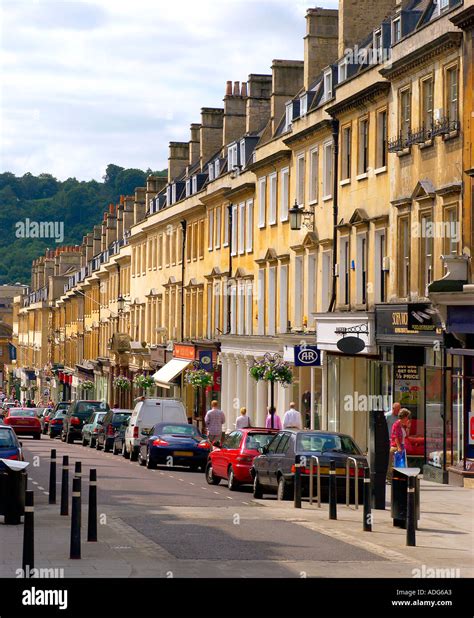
<point>411,512</point>
<point>332,490</point>
<point>52,477</point>
<point>65,486</point>
<point>29,534</point>
<point>78,475</point>
<point>297,497</point>
<point>92,514</point>
<point>75,552</point>
<point>367,522</point>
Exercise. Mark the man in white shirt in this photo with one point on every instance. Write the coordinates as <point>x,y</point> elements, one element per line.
<point>292,418</point>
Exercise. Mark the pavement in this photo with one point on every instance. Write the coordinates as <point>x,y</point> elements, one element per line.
<point>170,523</point>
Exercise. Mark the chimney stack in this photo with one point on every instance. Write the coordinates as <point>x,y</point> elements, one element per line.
<point>139,205</point>
<point>234,115</point>
<point>178,159</point>
<point>194,142</point>
<point>258,108</point>
<point>212,123</point>
<point>357,19</point>
<point>320,42</point>
<point>287,80</point>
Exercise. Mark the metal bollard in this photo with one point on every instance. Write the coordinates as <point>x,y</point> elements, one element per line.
<point>332,490</point>
<point>92,514</point>
<point>65,486</point>
<point>78,475</point>
<point>297,498</point>
<point>75,551</point>
<point>367,517</point>
<point>52,478</point>
<point>411,512</point>
<point>28,561</point>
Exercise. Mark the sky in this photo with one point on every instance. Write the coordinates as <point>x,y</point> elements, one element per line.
<point>87,83</point>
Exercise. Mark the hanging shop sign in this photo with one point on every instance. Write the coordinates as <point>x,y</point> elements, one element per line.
<point>421,317</point>
<point>205,360</point>
<point>307,356</point>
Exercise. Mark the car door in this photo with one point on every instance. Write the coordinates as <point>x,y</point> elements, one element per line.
<point>231,452</point>
<point>219,457</point>
<point>266,462</point>
<point>277,458</point>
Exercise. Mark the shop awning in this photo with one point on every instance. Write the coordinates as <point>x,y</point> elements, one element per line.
<point>170,371</point>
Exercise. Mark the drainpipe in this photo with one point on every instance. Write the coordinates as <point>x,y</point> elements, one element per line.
<point>335,137</point>
<point>183,256</point>
<point>229,306</point>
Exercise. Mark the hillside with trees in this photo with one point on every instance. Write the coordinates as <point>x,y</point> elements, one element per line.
<point>77,205</point>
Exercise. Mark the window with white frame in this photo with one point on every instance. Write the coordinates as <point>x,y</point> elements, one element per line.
<point>233,309</point>
<point>272,214</point>
<point>217,168</point>
<point>234,229</point>
<point>210,169</point>
<point>443,5</point>
<point>396,30</point>
<point>344,270</point>
<point>249,235</point>
<point>405,112</point>
<point>300,179</point>
<point>271,321</point>
<point>194,184</point>
<point>249,309</point>
<point>210,230</point>
<point>261,301</point>
<point>299,291</point>
<point>240,308</point>
<point>381,153</point>
<point>312,275</point>
<point>241,228</point>
<point>379,271</point>
<point>452,93</point>
<point>283,299</point>
<point>168,195</point>
<point>209,311</point>
<point>288,115</point>
<point>327,170</point>
<point>188,188</point>
<point>342,70</point>
<point>218,227</point>
<point>378,45</point>
<point>363,164</point>
<point>346,153</point>
<point>262,201</point>
<point>304,104</point>
<point>426,254</point>
<point>226,226</point>
<point>326,279</point>
<point>328,85</point>
<point>243,158</point>
<point>217,305</point>
<point>232,157</point>
<point>313,175</point>
<point>284,193</point>
<point>361,269</point>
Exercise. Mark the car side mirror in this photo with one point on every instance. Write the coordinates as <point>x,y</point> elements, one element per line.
<point>264,450</point>
<point>217,444</point>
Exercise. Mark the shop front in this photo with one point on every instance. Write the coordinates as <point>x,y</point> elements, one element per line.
<point>412,370</point>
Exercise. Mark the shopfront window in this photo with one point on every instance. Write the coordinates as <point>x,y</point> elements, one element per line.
<point>455,441</point>
<point>434,416</point>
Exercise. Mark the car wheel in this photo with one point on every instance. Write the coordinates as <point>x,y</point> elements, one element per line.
<point>106,447</point>
<point>84,441</point>
<point>63,436</point>
<point>141,461</point>
<point>125,453</point>
<point>257,488</point>
<point>37,436</point>
<point>150,464</point>
<point>97,445</point>
<point>115,450</point>
<point>232,484</point>
<point>51,435</point>
<point>69,438</point>
<point>92,442</point>
<point>210,477</point>
<point>133,454</point>
<point>284,489</point>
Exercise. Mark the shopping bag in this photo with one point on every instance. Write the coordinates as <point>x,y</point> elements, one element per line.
<point>400,459</point>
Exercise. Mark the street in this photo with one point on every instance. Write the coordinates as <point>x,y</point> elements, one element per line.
<point>170,523</point>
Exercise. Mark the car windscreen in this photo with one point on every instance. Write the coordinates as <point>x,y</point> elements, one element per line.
<point>60,414</point>
<point>85,409</point>
<point>321,443</point>
<point>258,440</point>
<point>19,412</point>
<point>120,417</point>
<point>7,439</point>
<point>181,430</point>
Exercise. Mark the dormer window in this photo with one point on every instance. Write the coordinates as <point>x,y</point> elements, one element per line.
<point>342,75</point>
<point>288,115</point>
<point>232,157</point>
<point>243,158</point>
<point>217,168</point>
<point>396,30</point>
<point>173,194</point>
<point>443,5</point>
<point>304,104</point>
<point>194,184</point>
<point>378,45</point>
<point>168,195</point>
<point>328,85</point>
<point>210,168</point>
<point>188,187</point>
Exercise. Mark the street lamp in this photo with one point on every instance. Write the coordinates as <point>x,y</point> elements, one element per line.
<point>121,303</point>
<point>301,217</point>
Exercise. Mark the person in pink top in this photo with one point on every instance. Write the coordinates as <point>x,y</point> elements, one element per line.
<point>276,420</point>
<point>399,433</point>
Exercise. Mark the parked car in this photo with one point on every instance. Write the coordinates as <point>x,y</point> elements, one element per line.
<point>55,426</point>
<point>46,416</point>
<point>108,427</point>
<point>24,421</point>
<point>273,470</point>
<point>119,437</point>
<point>233,460</point>
<point>176,444</point>
<point>77,416</point>
<point>89,431</point>
<point>10,447</point>
<point>147,413</point>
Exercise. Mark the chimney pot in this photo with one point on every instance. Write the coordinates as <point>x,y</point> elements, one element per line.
<point>111,209</point>
<point>236,89</point>
<point>228,90</point>
<point>243,91</point>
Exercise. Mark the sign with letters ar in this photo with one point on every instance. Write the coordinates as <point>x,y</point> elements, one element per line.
<point>307,356</point>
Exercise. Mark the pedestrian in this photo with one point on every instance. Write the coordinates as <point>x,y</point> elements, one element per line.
<point>392,417</point>
<point>243,421</point>
<point>276,420</point>
<point>398,436</point>
<point>292,418</point>
<point>214,421</point>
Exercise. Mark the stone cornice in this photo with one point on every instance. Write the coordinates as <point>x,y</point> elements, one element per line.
<point>464,19</point>
<point>308,132</point>
<point>367,95</point>
<point>273,158</point>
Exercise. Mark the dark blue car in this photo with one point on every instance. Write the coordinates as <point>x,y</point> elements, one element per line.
<point>174,444</point>
<point>55,425</point>
<point>10,447</point>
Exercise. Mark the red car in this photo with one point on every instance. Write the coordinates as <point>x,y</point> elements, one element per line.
<point>24,421</point>
<point>233,460</point>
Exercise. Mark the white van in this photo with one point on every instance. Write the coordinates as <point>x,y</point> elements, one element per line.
<point>146,414</point>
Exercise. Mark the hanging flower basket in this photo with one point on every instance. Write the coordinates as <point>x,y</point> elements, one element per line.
<point>272,370</point>
<point>23,388</point>
<point>122,383</point>
<point>87,385</point>
<point>143,381</point>
<point>199,378</point>
<point>33,388</point>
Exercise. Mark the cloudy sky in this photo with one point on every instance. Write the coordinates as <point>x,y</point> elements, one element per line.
<point>87,83</point>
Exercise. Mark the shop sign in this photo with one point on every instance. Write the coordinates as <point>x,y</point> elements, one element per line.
<point>307,356</point>
<point>421,317</point>
<point>406,372</point>
<point>186,352</point>
<point>205,360</point>
<point>409,319</point>
<point>217,381</point>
